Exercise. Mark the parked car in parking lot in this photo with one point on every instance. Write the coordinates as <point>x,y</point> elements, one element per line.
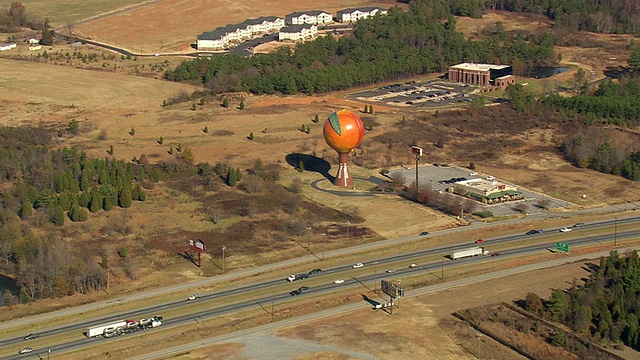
<point>473,173</point>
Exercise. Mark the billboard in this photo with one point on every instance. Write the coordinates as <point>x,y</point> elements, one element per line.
<point>392,289</point>
<point>197,245</point>
<point>416,150</point>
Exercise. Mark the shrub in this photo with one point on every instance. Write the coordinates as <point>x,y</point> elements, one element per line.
<point>161,140</point>
<point>225,103</point>
<point>483,214</point>
<point>316,119</point>
<point>132,131</point>
<point>241,106</point>
<point>205,130</point>
<point>250,137</point>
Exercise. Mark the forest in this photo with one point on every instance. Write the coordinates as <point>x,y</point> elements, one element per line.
<point>605,307</point>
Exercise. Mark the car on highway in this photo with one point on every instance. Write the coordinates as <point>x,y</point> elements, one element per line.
<point>391,270</point>
<point>424,233</point>
<point>193,297</point>
<point>291,278</point>
<point>25,350</point>
<point>314,272</point>
<point>534,232</point>
<point>338,281</point>
<point>577,225</point>
<point>295,293</point>
<point>413,266</point>
<point>495,254</point>
<point>565,229</point>
<point>32,336</point>
<point>303,289</point>
<point>357,266</point>
<point>479,241</point>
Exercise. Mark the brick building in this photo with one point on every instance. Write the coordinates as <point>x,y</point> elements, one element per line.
<point>481,74</point>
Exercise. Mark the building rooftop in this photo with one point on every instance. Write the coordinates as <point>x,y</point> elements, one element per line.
<point>483,184</point>
<point>366,9</point>
<point>474,66</point>
<point>296,28</point>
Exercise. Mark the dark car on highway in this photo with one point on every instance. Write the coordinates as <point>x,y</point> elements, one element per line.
<point>302,289</point>
<point>31,336</point>
<point>314,272</point>
<point>295,292</point>
<point>534,232</point>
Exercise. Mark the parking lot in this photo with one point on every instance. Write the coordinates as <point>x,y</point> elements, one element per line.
<point>419,94</point>
<point>434,176</point>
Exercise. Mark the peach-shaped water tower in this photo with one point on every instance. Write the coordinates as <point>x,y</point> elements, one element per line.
<point>343,131</point>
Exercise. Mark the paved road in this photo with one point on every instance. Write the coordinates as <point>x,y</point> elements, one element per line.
<point>353,307</point>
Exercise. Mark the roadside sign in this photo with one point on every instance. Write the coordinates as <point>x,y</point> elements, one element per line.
<point>562,246</point>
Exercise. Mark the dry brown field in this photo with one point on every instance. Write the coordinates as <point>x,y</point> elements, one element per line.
<point>116,102</point>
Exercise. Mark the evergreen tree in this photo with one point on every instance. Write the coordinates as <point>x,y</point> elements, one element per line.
<point>125,197</point>
<point>84,199</point>
<point>241,106</point>
<point>164,103</point>
<point>366,109</point>
<point>96,201</point>
<point>370,109</point>
<point>634,59</point>
<point>225,103</point>
<point>301,166</point>
<point>132,131</point>
<point>24,296</point>
<point>104,178</point>
<point>231,178</point>
<point>107,203</point>
<point>84,181</point>
<point>316,119</point>
<point>238,174</point>
<point>250,137</point>
<point>57,216</point>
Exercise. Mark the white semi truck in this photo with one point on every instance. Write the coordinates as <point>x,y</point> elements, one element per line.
<point>120,327</point>
<point>475,251</point>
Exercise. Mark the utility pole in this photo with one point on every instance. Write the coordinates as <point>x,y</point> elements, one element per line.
<point>223,249</point>
<point>108,278</point>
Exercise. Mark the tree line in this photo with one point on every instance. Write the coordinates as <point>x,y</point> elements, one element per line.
<point>383,48</point>
<point>605,307</point>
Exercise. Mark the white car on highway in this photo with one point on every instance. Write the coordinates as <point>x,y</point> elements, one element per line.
<point>565,229</point>
<point>358,265</point>
<point>193,297</point>
<point>338,281</point>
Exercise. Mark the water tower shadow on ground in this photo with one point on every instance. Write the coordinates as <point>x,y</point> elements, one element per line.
<point>311,163</point>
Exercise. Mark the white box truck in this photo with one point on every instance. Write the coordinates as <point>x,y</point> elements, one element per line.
<point>475,251</point>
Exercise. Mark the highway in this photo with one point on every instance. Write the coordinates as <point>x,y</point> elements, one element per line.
<point>366,278</point>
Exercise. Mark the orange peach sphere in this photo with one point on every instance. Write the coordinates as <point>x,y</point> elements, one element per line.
<point>343,131</point>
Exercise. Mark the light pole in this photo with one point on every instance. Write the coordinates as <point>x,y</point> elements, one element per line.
<point>418,152</point>
<point>348,223</point>
<point>108,278</point>
<point>615,233</point>
<point>478,336</point>
<point>223,249</point>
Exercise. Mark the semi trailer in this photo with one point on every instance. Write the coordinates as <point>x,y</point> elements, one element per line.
<point>475,251</point>
<point>121,327</point>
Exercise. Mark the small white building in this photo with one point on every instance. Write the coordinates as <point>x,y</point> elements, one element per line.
<point>297,32</point>
<point>8,46</point>
<point>355,14</point>
<point>316,17</point>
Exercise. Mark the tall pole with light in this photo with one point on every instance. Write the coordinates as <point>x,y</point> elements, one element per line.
<point>417,151</point>
<point>223,249</point>
<point>615,233</point>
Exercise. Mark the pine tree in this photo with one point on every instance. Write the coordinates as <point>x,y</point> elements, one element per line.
<point>47,36</point>
<point>57,216</point>
<point>231,178</point>
<point>241,106</point>
<point>104,178</point>
<point>225,103</point>
<point>74,212</point>
<point>107,203</point>
<point>164,103</point>
<point>250,137</point>
<point>301,167</point>
<point>316,119</point>
<point>96,201</point>
<point>161,140</point>
<point>238,174</point>
<point>366,109</point>
<point>132,131</point>
<point>370,109</point>
<point>84,199</point>
<point>205,130</point>
<point>193,107</point>
<point>125,197</point>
